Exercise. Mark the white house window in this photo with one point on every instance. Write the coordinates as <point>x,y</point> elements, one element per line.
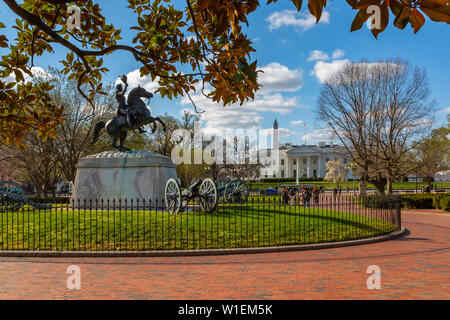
<point>304,161</point>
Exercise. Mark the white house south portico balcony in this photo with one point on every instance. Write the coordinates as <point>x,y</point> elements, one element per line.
<point>302,161</point>
<point>306,160</point>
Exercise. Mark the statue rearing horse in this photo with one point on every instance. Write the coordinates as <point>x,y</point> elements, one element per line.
<point>119,126</point>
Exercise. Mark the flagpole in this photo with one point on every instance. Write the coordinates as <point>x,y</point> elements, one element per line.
<point>304,125</point>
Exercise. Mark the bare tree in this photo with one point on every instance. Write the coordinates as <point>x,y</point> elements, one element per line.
<point>8,171</point>
<point>37,161</point>
<point>73,135</point>
<point>377,110</point>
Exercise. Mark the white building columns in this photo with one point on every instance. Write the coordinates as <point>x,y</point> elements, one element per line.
<point>319,165</point>
<point>288,173</point>
<point>298,170</point>
<point>308,172</point>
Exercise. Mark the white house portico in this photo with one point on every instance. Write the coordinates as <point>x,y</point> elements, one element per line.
<point>302,161</point>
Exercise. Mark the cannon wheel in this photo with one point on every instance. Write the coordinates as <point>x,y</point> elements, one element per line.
<point>236,191</point>
<point>208,195</point>
<point>221,185</point>
<point>11,196</point>
<point>172,196</point>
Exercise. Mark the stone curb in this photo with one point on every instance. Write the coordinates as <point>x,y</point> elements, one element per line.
<point>202,252</point>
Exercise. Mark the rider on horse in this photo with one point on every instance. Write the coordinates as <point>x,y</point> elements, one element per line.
<point>123,108</point>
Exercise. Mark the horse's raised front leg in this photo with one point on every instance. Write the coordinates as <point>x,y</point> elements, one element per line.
<point>162,123</point>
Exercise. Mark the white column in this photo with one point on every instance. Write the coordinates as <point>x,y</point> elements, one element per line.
<point>308,172</point>
<point>288,174</point>
<point>319,166</point>
<point>298,169</point>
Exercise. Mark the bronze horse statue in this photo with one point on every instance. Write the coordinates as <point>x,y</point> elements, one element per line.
<point>118,126</point>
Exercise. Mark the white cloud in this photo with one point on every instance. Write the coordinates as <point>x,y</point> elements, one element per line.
<point>317,135</point>
<point>300,21</point>
<point>37,72</point>
<point>445,110</point>
<point>282,132</point>
<point>338,53</point>
<point>247,116</point>
<point>277,77</point>
<point>296,122</point>
<point>317,55</point>
<point>135,79</point>
<point>323,70</point>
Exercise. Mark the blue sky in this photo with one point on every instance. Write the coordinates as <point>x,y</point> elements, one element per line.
<point>296,56</point>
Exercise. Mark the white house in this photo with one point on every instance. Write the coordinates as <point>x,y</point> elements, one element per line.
<point>290,161</point>
<point>442,176</point>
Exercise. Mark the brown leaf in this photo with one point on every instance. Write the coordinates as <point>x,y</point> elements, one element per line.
<point>417,20</point>
<point>316,7</point>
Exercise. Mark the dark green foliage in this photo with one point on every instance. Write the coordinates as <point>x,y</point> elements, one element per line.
<point>426,201</point>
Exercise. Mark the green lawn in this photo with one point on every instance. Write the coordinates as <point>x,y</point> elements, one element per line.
<point>228,227</point>
<point>329,185</point>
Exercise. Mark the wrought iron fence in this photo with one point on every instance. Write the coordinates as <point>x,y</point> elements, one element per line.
<point>143,225</point>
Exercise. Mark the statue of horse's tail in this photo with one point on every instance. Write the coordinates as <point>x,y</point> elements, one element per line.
<point>97,128</point>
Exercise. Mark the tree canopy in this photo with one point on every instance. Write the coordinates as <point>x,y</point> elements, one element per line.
<point>376,111</point>
<point>200,45</point>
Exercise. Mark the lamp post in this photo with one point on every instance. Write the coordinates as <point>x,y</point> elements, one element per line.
<point>416,180</point>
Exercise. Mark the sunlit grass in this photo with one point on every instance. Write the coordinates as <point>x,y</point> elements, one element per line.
<point>230,226</point>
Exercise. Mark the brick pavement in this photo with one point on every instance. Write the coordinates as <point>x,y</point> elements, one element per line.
<point>416,266</point>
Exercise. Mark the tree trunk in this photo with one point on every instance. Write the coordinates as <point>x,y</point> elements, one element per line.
<point>389,186</point>
<point>379,185</point>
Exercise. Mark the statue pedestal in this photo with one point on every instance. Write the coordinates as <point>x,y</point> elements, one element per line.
<point>362,189</point>
<point>114,175</point>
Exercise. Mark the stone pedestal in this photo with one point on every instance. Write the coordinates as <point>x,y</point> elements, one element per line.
<point>362,188</point>
<point>136,175</point>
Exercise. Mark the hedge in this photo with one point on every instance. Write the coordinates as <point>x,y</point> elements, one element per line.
<point>60,200</point>
<point>289,179</point>
<point>426,201</point>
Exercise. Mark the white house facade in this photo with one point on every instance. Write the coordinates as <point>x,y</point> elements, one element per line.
<point>288,161</point>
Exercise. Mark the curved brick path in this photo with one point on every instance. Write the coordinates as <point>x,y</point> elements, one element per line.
<point>415,266</point>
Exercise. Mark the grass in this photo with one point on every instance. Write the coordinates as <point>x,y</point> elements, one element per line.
<point>330,185</point>
<point>232,226</point>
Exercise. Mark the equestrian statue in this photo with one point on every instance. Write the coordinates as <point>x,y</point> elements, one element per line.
<point>131,114</point>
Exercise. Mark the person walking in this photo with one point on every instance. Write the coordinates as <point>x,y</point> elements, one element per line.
<point>316,195</point>
<point>293,198</point>
<point>285,196</point>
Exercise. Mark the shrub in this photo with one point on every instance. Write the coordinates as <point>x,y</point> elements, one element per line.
<point>60,200</point>
<point>445,203</point>
<point>290,179</point>
<point>426,201</point>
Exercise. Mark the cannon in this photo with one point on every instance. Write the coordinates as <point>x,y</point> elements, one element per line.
<point>232,191</point>
<point>203,191</point>
<point>12,197</point>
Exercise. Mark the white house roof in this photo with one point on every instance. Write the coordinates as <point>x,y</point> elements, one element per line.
<point>315,149</point>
